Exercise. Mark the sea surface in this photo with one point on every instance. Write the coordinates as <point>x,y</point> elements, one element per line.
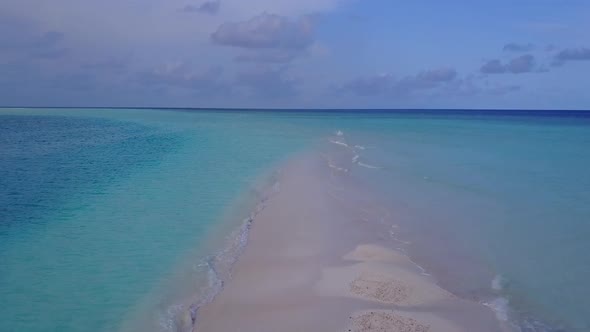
<point>118,219</point>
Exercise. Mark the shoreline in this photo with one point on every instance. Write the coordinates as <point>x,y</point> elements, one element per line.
<point>215,257</point>
<point>467,211</point>
<point>313,263</point>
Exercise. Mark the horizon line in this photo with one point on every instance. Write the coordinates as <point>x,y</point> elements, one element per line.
<point>300,108</point>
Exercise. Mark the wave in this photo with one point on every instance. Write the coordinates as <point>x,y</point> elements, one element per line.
<point>495,299</point>
<point>500,306</point>
<point>505,313</point>
<point>218,267</point>
<point>338,143</point>
<point>368,166</point>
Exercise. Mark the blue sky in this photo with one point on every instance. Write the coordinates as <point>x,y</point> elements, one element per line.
<point>296,53</point>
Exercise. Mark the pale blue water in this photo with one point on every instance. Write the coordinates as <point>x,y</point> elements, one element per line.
<point>505,198</point>
<point>99,208</point>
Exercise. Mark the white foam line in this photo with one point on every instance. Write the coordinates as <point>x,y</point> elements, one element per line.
<point>338,143</point>
<point>401,241</point>
<point>500,306</point>
<point>339,169</point>
<point>355,158</point>
<point>216,282</point>
<point>331,165</point>
<point>368,166</point>
<point>423,271</point>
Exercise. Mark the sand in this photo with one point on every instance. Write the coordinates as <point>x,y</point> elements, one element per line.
<point>316,262</point>
<point>386,321</point>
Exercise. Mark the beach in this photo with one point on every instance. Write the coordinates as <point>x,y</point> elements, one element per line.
<point>160,220</point>
<point>294,166</point>
<point>316,260</point>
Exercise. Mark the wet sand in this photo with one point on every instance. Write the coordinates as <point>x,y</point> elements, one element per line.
<point>317,260</point>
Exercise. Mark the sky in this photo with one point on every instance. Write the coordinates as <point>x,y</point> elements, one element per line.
<point>501,54</point>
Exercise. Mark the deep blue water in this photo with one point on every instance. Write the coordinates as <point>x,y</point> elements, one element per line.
<point>47,160</point>
<point>100,209</point>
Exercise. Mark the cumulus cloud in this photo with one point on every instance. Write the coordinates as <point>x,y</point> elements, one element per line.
<point>473,85</point>
<point>268,56</point>
<point>550,48</point>
<point>428,79</point>
<point>438,75</point>
<point>268,82</point>
<point>266,31</point>
<point>181,75</point>
<point>515,47</point>
<point>21,39</point>
<point>461,87</point>
<point>519,65</point>
<point>370,85</point>
<point>436,83</point>
<point>208,7</point>
<point>571,54</point>
<point>494,66</point>
<point>383,84</point>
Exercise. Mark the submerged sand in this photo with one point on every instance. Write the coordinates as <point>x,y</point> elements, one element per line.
<point>317,260</point>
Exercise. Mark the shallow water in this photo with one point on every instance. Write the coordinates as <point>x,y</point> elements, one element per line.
<point>495,207</point>
<point>98,212</point>
<point>102,211</point>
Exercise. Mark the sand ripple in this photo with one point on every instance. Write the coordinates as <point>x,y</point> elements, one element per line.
<point>381,288</point>
<point>382,321</point>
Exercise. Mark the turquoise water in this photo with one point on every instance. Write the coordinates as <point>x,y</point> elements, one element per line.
<point>97,210</point>
<point>100,209</point>
<point>504,199</point>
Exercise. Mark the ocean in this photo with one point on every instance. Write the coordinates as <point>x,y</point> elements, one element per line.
<point>116,219</point>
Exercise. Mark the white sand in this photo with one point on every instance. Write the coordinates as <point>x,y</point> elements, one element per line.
<point>308,267</point>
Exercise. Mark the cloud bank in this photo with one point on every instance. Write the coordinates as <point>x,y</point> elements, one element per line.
<point>266,31</point>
